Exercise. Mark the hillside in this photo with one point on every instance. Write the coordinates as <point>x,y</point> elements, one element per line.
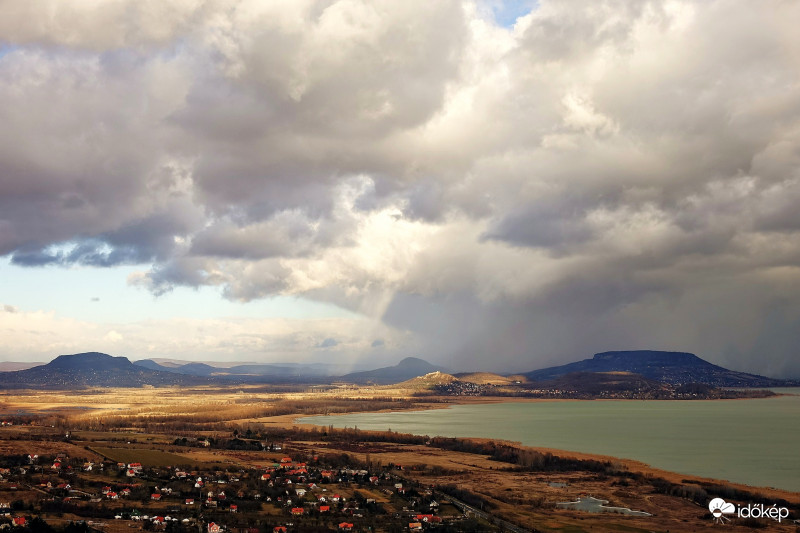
<point>91,369</point>
<point>408,368</point>
<point>427,382</point>
<point>484,378</point>
<point>675,368</point>
<point>251,372</point>
<point>597,383</point>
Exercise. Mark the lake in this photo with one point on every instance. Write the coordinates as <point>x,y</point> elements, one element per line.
<point>755,441</point>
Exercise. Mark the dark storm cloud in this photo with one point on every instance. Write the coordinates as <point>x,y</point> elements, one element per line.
<point>142,241</point>
<point>546,226</point>
<point>328,343</point>
<point>614,174</point>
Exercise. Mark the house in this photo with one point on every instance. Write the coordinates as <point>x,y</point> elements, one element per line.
<point>155,497</point>
<point>415,526</point>
<point>265,477</point>
<point>112,496</point>
<point>106,490</point>
<point>125,492</point>
<point>335,498</point>
<point>324,508</point>
<point>300,492</point>
<point>279,529</point>
<point>285,460</point>
<point>345,526</point>
<point>234,508</point>
<point>213,528</point>
<point>297,511</point>
<point>428,518</point>
<point>131,473</point>
<point>19,521</point>
<point>189,501</point>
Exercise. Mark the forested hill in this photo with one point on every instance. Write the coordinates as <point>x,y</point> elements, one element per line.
<point>91,369</point>
<point>675,368</point>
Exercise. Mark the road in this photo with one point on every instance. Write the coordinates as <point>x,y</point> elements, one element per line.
<point>508,526</point>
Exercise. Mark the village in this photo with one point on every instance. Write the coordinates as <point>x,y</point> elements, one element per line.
<point>287,493</point>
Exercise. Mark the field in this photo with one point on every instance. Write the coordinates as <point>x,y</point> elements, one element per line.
<point>208,408</point>
<point>143,456</point>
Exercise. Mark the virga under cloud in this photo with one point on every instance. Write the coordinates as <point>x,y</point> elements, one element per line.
<point>611,175</point>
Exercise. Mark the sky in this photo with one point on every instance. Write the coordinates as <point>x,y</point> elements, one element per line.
<point>487,185</point>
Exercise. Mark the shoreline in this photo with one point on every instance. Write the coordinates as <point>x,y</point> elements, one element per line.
<point>631,465</point>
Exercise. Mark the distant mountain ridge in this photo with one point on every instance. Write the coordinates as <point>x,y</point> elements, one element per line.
<point>408,368</point>
<point>675,368</point>
<point>94,369</point>
<point>249,371</point>
<point>91,369</point>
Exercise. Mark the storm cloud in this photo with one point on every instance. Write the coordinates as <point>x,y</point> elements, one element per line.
<point>611,175</point>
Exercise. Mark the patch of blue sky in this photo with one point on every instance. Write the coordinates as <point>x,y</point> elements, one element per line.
<point>103,295</point>
<point>506,12</point>
<point>6,49</point>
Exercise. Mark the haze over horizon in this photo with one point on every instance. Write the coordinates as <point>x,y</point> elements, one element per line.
<point>486,185</point>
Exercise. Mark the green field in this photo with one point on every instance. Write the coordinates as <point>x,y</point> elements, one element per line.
<point>146,457</point>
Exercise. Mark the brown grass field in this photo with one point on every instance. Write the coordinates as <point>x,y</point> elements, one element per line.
<point>138,455</point>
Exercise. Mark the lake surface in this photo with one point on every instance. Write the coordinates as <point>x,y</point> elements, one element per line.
<point>756,442</point>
